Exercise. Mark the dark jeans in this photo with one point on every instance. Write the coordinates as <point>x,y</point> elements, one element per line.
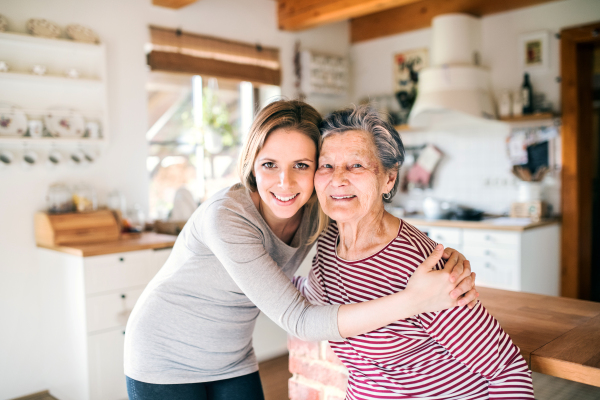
<point>247,387</point>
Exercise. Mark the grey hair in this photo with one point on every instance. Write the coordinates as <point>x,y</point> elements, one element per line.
<point>390,149</point>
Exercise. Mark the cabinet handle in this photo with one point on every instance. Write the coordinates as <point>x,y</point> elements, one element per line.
<point>121,259</point>
<point>488,237</point>
<point>123,296</point>
<point>488,265</point>
<point>439,237</point>
<point>123,332</point>
<point>488,253</point>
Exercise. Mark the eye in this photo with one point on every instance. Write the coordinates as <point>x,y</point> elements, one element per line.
<point>356,166</point>
<point>326,166</point>
<point>302,166</point>
<point>269,165</point>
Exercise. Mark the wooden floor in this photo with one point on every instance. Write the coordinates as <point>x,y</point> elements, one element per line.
<point>274,376</point>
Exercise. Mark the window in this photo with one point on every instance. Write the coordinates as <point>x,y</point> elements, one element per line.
<point>196,128</point>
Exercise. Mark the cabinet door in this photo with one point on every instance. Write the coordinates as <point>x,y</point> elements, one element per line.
<point>497,274</point>
<point>107,376</point>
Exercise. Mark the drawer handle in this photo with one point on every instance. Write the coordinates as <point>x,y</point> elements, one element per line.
<point>488,253</point>
<point>121,259</point>
<point>123,296</point>
<point>123,332</point>
<point>439,237</point>
<point>488,237</point>
<point>488,265</point>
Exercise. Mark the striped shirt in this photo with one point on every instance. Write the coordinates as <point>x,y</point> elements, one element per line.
<point>453,354</point>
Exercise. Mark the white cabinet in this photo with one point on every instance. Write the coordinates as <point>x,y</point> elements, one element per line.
<point>522,260</point>
<point>86,303</point>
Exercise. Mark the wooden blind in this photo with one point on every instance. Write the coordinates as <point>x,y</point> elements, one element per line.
<point>176,51</point>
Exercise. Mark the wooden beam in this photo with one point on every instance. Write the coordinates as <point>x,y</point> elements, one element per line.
<point>418,15</point>
<point>295,15</point>
<point>173,3</point>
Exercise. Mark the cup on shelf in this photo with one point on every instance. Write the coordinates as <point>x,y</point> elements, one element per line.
<point>55,158</point>
<point>35,128</point>
<point>30,158</point>
<point>72,73</point>
<point>3,66</point>
<point>77,158</point>
<point>92,129</point>
<point>39,69</point>
<point>6,158</point>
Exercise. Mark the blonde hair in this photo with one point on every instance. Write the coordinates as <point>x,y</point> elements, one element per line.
<point>283,114</point>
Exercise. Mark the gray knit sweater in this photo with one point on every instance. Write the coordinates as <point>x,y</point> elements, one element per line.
<point>194,321</point>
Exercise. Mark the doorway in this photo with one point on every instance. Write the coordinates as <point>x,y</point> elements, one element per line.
<point>580,265</point>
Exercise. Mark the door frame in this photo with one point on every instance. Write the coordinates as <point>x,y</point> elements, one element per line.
<point>576,46</point>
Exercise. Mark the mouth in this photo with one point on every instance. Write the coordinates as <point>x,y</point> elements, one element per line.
<point>285,199</point>
<point>344,197</point>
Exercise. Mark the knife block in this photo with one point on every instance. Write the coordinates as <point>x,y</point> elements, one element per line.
<point>75,228</point>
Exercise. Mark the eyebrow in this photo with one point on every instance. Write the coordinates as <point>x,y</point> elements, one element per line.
<point>272,159</point>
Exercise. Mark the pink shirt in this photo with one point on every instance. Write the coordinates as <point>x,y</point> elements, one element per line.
<point>453,354</point>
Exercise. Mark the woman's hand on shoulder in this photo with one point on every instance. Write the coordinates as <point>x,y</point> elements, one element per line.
<point>460,271</point>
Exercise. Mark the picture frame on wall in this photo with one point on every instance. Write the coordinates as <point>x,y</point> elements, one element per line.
<point>534,51</point>
<point>407,66</point>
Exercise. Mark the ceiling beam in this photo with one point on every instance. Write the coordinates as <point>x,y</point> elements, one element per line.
<point>294,15</point>
<point>173,3</point>
<point>418,15</point>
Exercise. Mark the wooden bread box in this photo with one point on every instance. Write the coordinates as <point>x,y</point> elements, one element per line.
<point>75,228</point>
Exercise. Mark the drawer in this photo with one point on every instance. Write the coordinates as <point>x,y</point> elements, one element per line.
<point>160,257</point>
<point>110,310</point>
<point>492,253</point>
<point>118,271</point>
<point>496,274</point>
<point>490,237</point>
<point>449,237</point>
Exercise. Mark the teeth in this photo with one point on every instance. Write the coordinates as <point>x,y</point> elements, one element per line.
<point>342,197</point>
<point>285,198</point>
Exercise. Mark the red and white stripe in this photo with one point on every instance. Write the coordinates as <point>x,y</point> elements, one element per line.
<point>453,354</point>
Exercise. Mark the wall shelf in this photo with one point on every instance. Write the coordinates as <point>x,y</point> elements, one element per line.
<point>50,79</point>
<point>52,141</point>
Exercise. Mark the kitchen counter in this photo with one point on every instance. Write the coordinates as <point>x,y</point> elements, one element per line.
<point>503,224</point>
<point>127,242</point>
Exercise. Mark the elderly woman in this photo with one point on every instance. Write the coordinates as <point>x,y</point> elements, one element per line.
<point>367,253</point>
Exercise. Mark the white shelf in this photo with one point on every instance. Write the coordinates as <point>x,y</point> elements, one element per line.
<point>45,42</point>
<point>51,79</point>
<point>26,140</point>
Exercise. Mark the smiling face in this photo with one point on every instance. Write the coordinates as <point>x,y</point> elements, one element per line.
<point>350,179</point>
<point>284,170</point>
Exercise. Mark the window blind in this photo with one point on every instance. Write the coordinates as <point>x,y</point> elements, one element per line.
<point>172,50</point>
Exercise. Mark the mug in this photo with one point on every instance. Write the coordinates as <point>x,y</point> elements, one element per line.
<point>3,66</point>
<point>54,159</point>
<point>72,73</point>
<point>93,129</point>
<point>36,128</point>
<point>6,158</point>
<point>29,159</point>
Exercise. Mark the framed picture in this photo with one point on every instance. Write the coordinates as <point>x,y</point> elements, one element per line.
<point>406,78</point>
<point>534,49</point>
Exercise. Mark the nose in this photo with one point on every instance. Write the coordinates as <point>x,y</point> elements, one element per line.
<point>339,177</point>
<point>285,179</point>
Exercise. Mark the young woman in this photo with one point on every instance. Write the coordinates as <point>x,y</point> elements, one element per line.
<point>190,334</point>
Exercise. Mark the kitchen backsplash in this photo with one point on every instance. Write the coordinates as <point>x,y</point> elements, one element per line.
<point>475,170</point>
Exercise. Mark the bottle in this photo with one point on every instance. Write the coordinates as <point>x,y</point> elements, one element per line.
<point>527,95</point>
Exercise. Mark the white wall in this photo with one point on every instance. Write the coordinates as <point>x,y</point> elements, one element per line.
<point>475,170</point>
<point>122,25</point>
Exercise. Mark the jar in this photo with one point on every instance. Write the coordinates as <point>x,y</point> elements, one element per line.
<point>59,199</point>
<point>84,198</point>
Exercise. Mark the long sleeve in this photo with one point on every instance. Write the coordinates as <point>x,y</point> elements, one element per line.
<point>312,287</point>
<point>478,341</point>
<point>239,247</point>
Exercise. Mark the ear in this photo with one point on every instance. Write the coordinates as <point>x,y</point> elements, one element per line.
<point>391,179</point>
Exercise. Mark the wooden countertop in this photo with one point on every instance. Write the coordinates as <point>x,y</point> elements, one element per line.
<point>557,336</point>
<point>127,242</point>
<point>484,224</point>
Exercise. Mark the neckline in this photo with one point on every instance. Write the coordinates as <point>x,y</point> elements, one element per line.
<point>295,243</point>
<point>337,236</point>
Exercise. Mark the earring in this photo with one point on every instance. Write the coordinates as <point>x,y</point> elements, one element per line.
<point>387,196</point>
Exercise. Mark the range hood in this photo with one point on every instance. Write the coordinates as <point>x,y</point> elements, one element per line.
<point>455,89</point>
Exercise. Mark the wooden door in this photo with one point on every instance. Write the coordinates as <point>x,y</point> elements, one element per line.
<point>577,49</point>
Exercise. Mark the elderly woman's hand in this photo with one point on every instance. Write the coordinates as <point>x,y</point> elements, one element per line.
<point>460,271</point>
<point>433,290</point>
